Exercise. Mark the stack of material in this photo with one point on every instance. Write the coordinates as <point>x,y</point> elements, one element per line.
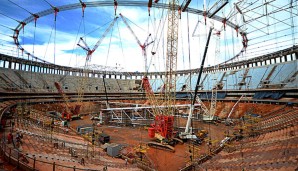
<point>113,150</point>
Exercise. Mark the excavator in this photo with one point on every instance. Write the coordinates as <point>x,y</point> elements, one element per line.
<point>69,113</point>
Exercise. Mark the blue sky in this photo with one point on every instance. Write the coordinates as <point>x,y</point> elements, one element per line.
<point>119,48</point>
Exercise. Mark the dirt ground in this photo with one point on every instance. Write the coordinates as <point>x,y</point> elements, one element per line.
<point>132,137</point>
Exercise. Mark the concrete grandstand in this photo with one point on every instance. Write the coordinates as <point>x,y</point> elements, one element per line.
<point>236,114</point>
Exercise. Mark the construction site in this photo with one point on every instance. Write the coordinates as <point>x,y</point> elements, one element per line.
<point>149,85</point>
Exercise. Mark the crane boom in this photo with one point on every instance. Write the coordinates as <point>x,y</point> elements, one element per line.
<point>65,99</point>
<point>86,47</point>
<point>129,28</point>
<point>202,66</point>
<point>143,46</point>
<point>104,34</point>
<point>186,133</point>
<point>228,120</point>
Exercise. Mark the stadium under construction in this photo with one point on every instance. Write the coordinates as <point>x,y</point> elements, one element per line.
<point>149,85</point>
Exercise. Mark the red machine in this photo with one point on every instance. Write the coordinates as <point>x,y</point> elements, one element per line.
<point>68,113</point>
<point>162,129</point>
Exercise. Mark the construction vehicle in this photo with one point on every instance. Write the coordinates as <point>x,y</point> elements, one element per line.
<point>188,134</point>
<point>162,129</point>
<point>202,134</point>
<point>69,113</point>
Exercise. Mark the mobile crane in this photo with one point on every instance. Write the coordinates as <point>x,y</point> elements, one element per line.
<point>162,128</point>
<point>69,112</point>
<point>187,134</point>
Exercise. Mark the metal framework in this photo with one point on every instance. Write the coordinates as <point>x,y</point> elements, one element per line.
<point>139,114</point>
<point>273,20</point>
<point>171,58</point>
<point>55,10</point>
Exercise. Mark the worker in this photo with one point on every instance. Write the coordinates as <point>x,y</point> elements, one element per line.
<point>66,130</point>
<point>9,138</point>
<point>126,162</point>
<point>82,161</point>
<point>18,138</point>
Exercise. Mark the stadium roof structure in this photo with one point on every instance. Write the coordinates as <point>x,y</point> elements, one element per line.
<point>48,31</point>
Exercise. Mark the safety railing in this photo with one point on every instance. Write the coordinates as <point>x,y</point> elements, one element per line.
<point>31,163</point>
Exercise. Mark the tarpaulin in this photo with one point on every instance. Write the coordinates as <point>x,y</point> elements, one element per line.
<point>268,95</point>
<point>209,95</point>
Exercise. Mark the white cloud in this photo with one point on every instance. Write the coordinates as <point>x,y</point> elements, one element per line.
<point>129,55</point>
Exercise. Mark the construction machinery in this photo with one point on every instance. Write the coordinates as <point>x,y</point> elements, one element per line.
<point>162,130</point>
<point>187,134</point>
<point>163,127</point>
<point>89,52</point>
<point>69,113</point>
<point>143,46</point>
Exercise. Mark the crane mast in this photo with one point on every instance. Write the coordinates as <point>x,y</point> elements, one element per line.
<point>171,58</point>
<point>163,126</point>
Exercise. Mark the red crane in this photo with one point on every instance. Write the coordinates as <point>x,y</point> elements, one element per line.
<point>69,112</point>
<point>162,128</point>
